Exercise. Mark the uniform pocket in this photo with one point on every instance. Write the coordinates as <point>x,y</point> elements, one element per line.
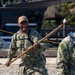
<point>18,44</point>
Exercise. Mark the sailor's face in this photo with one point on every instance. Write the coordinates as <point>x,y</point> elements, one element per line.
<point>23,25</point>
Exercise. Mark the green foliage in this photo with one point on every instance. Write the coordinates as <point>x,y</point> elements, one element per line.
<point>72,22</point>
<point>49,23</point>
<point>53,22</point>
<point>16,1</point>
<point>45,23</point>
<point>64,8</point>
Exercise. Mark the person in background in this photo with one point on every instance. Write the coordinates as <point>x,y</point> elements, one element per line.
<point>33,62</point>
<point>66,56</point>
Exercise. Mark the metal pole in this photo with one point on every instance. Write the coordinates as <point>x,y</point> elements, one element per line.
<point>64,27</point>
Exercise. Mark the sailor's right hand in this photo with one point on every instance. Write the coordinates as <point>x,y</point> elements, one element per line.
<point>7,64</point>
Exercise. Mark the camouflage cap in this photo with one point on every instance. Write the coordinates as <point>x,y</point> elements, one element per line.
<point>22,18</point>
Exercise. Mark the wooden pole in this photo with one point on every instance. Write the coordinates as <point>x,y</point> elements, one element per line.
<point>52,32</point>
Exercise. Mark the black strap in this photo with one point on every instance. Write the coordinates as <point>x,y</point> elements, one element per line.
<point>29,37</point>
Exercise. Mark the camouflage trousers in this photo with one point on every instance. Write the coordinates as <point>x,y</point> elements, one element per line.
<point>32,71</point>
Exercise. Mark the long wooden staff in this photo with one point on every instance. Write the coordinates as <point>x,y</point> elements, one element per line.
<point>52,32</point>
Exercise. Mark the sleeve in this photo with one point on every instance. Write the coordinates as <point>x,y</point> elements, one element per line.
<point>62,59</point>
<point>12,49</point>
<point>36,37</point>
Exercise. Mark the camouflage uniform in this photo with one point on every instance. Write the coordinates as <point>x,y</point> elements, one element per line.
<point>66,57</point>
<point>33,62</point>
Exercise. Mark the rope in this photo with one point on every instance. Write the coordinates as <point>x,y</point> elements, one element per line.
<point>6,31</point>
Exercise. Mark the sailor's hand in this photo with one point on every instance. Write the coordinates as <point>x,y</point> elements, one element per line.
<point>7,64</point>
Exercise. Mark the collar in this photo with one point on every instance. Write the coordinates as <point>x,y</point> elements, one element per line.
<point>20,36</point>
<point>72,35</point>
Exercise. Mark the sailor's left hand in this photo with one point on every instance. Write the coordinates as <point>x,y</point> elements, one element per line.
<point>36,45</point>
